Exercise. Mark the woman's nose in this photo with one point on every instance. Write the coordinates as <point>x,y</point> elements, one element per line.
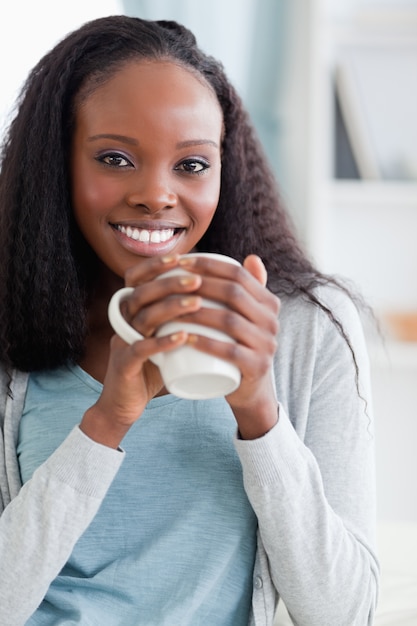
<point>152,193</point>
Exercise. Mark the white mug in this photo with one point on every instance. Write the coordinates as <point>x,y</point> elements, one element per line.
<point>186,371</point>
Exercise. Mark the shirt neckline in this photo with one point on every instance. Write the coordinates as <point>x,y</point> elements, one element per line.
<point>94,384</point>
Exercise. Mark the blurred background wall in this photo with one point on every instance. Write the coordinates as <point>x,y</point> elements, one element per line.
<point>355,212</point>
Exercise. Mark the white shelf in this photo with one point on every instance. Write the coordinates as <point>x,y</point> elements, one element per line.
<point>361,230</point>
<point>372,193</point>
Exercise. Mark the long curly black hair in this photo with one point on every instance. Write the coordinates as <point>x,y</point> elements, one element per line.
<point>46,269</point>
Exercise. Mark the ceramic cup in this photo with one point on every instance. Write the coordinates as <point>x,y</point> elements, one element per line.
<point>186,372</point>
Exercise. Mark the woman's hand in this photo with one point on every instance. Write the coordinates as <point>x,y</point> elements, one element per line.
<point>251,319</point>
<point>131,380</point>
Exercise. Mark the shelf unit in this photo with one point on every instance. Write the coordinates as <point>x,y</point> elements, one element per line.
<point>361,229</point>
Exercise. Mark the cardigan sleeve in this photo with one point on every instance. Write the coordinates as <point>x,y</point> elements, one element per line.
<point>41,525</point>
<point>310,479</point>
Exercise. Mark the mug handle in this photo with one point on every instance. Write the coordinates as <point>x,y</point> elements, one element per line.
<point>120,325</point>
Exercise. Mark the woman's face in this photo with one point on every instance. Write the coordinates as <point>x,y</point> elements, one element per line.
<point>145,163</point>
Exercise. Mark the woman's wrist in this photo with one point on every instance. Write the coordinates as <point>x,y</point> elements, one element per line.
<point>255,422</point>
<point>98,427</point>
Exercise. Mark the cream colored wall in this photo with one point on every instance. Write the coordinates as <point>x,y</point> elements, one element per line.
<point>29,29</point>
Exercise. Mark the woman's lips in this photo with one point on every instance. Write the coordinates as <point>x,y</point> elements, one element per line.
<point>148,241</point>
<point>145,235</point>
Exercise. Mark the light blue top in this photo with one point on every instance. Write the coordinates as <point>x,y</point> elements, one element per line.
<point>310,481</point>
<point>174,539</point>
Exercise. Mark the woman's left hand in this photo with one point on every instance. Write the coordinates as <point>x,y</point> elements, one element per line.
<point>251,319</point>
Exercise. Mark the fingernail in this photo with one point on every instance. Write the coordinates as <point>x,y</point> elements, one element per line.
<point>187,280</point>
<point>177,336</point>
<point>169,258</point>
<point>187,261</point>
<point>192,339</point>
<point>190,301</point>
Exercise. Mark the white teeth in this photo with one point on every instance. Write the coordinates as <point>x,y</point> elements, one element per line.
<point>147,236</point>
<point>143,235</point>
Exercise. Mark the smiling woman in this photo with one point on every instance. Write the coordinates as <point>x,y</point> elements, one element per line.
<point>146,163</point>
<point>132,505</point>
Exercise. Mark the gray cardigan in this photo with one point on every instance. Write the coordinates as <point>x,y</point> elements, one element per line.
<point>310,481</point>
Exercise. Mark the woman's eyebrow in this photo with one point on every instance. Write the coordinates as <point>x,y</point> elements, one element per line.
<point>196,142</point>
<point>122,138</point>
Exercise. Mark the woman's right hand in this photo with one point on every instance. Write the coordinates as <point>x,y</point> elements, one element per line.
<point>131,379</point>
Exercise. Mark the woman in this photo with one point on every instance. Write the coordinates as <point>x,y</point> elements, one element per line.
<point>123,504</point>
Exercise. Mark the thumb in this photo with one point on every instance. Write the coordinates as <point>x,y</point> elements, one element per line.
<point>254,265</point>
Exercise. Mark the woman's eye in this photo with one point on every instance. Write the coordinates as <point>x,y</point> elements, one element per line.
<point>114,160</point>
<point>193,166</point>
